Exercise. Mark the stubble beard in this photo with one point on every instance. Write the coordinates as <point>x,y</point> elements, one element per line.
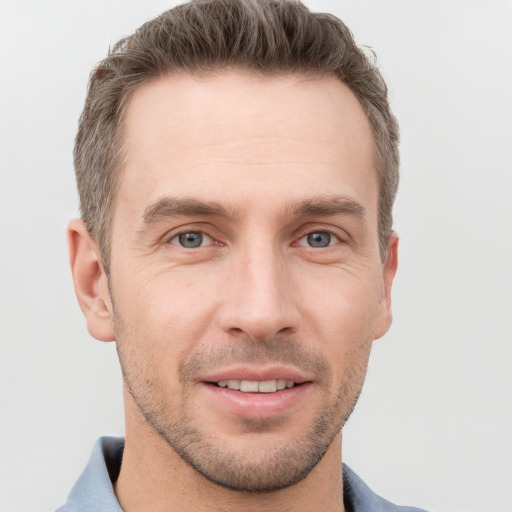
<point>266,469</point>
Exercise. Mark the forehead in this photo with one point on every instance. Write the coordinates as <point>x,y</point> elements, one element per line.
<point>199,135</point>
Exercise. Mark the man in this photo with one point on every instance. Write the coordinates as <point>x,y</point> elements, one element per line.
<point>237,164</point>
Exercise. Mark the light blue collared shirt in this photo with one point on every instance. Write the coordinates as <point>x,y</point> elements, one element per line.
<point>93,492</point>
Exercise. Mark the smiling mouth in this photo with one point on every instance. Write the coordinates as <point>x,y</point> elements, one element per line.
<point>256,386</point>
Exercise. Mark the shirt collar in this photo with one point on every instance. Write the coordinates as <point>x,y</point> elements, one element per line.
<point>94,490</point>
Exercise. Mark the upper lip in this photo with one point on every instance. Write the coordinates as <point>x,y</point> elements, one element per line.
<point>257,374</point>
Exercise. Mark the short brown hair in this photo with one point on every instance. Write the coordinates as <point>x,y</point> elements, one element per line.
<point>268,37</point>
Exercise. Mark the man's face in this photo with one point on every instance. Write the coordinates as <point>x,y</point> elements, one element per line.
<point>245,255</point>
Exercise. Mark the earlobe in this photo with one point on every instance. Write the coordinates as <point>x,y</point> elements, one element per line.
<point>388,275</point>
<point>91,282</point>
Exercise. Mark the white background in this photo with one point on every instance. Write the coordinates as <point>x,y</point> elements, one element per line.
<point>434,425</point>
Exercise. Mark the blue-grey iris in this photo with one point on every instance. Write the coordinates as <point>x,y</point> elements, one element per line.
<point>191,240</point>
<point>319,239</point>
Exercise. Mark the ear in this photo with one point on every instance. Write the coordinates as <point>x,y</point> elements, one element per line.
<point>389,267</point>
<point>91,283</point>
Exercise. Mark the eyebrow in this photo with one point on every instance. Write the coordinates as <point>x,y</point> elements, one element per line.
<point>323,206</point>
<point>173,206</point>
<point>337,205</point>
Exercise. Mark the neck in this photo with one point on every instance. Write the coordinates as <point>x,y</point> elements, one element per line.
<point>154,477</point>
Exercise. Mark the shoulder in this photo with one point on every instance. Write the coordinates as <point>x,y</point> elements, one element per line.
<point>93,491</point>
<point>358,497</point>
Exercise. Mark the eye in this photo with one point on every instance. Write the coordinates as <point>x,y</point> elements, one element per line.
<point>319,239</point>
<point>191,239</point>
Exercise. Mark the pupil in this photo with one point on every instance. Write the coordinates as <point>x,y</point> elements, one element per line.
<point>319,239</point>
<point>191,240</point>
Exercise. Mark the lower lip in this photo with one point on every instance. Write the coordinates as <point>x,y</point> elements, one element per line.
<point>257,405</point>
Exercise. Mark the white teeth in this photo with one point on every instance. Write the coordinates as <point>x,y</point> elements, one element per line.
<point>249,386</point>
<point>281,384</point>
<point>233,384</point>
<point>267,386</point>
<point>254,386</point>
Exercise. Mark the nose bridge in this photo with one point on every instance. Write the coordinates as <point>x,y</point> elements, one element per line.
<point>260,302</point>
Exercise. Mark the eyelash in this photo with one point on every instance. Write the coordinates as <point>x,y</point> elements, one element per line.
<point>203,233</point>
<point>174,239</point>
<point>331,233</point>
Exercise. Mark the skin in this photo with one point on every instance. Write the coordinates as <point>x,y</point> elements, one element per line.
<point>274,160</point>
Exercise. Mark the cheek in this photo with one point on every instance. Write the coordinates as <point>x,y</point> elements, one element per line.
<point>341,320</point>
<point>168,313</point>
<point>344,303</point>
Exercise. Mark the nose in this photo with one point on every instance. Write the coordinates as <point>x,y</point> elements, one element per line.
<point>259,297</point>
